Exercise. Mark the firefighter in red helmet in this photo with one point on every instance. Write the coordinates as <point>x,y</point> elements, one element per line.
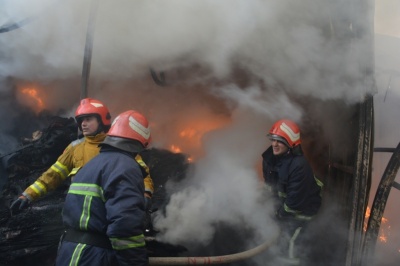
<point>94,120</point>
<point>105,206</point>
<point>291,180</point>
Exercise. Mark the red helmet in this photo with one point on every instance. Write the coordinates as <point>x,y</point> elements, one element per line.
<point>286,131</point>
<point>89,106</point>
<point>131,125</point>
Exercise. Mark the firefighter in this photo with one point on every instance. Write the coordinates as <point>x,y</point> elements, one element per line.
<point>104,208</point>
<point>94,120</point>
<point>291,180</point>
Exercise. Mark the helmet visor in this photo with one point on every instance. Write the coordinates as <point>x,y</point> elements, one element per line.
<point>278,138</point>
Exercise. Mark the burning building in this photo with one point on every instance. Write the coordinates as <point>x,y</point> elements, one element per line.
<point>211,78</point>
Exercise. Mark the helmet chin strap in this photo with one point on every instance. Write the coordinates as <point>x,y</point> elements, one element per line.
<point>100,129</point>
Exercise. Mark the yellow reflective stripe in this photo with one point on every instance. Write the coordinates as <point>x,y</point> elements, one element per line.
<point>39,188</point>
<point>303,217</point>
<point>76,256</point>
<point>60,169</point>
<point>297,214</point>
<point>281,194</point>
<point>74,171</point>
<point>140,161</point>
<point>319,182</point>
<point>292,243</point>
<point>128,242</point>
<point>86,189</point>
<point>287,209</point>
<point>85,216</point>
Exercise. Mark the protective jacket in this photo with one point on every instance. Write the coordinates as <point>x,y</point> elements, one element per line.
<point>105,199</point>
<point>74,157</point>
<point>293,183</point>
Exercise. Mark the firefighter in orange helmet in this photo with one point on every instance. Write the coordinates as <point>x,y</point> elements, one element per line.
<point>291,180</point>
<point>109,230</point>
<point>94,120</point>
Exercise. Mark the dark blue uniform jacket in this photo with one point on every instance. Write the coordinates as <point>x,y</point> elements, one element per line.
<point>106,197</point>
<point>292,181</point>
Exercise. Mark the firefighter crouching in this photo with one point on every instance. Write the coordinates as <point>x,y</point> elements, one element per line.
<point>297,191</point>
<point>94,120</point>
<point>105,207</point>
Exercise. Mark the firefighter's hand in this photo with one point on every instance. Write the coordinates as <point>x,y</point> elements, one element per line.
<point>20,204</point>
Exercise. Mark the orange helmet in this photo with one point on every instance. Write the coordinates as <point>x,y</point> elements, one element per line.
<point>88,107</point>
<point>131,125</point>
<point>286,131</point>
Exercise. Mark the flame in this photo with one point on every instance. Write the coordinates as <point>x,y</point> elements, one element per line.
<point>31,97</point>
<point>189,136</point>
<point>384,230</point>
<point>175,149</point>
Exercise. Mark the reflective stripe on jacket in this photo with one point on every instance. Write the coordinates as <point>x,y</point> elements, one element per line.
<point>106,197</point>
<point>293,183</point>
<point>76,155</point>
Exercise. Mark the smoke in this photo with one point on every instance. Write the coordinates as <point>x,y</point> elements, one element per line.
<point>225,180</point>
<point>283,50</point>
<point>279,41</point>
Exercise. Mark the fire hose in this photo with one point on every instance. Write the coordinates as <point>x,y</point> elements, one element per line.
<point>214,260</point>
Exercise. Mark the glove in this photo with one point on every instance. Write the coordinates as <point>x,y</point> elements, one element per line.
<point>20,204</point>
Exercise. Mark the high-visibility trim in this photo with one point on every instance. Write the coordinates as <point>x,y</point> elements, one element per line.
<point>128,242</point>
<point>297,214</point>
<point>61,169</point>
<point>86,189</point>
<point>320,184</point>
<point>282,194</point>
<point>39,188</point>
<point>85,216</point>
<point>292,243</point>
<point>140,161</point>
<point>289,132</point>
<point>76,255</point>
<point>303,217</point>
<point>74,171</point>
<point>287,209</point>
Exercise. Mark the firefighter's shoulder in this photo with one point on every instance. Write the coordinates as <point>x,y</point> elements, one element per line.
<point>76,142</point>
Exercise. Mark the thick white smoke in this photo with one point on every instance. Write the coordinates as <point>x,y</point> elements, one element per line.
<point>286,45</point>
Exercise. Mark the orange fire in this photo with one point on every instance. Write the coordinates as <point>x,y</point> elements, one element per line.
<point>384,230</point>
<point>175,149</point>
<point>189,139</point>
<point>32,98</point>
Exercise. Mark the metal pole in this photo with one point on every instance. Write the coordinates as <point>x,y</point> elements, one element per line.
<point>87,57</point>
